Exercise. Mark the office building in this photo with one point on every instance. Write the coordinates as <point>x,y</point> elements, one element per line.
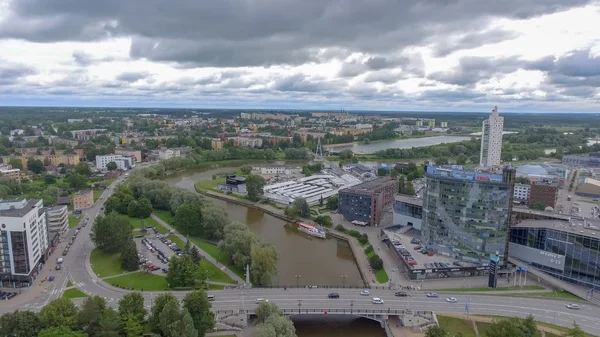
<point>465,214</point>
<point>408,211</point>
<point>521,193</point>
<point>57,218</point>
<point>23,241</point>
<point>365,202</point>
<point>123,163</point>
<point>83,199</point>
<point>568,250</point>
<point>491,140</point>
<point>575,160</point>
<point>545,193</point>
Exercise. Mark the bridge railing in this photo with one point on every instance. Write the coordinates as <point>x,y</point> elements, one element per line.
<point>387,311</point>
<point>327,286</point>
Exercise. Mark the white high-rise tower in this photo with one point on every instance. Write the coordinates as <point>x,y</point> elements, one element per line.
<point>491,140</point>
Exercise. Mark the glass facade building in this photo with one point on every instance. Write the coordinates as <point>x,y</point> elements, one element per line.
<point>569,255</point>
<point>465,214</point>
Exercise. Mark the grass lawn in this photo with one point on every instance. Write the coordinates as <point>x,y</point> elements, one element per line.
<point>560,295</point>
<point>212,250</point>
<point>208,185</point>
<point>484,327</point>
<point>531,287</point>
<point>454,325</point>
<point>165,216</point>
<point>139,281</point>
<point>69,284</point>
<point>215,287</point>
<point>73,221</point>
<point>105,265</point>
<point>97,194</point>
<point>73,293</point>
<point>214,273</point>
<point>381,276</point>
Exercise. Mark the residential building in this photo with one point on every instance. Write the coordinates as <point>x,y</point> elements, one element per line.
<point>546,193</point>
<point>86,134</point>
<point>444,124</point>
<point>521,193</point>
<point>366,202</point>
<point>568,250</point>
<point>123,163</point>
<point>23,241</point>
<point>83,199</point>
<point>330,114</point>
<point>57,218</point>
<point>234,184</point>
<point>164,153</point>
<point>274,170</point>
<point>491,140</point>
<point>9,172</point>
<point>408,211</point>
<point>465,214</point>
<point>126,152</point>
<point>55,160</point>
<point>217,144</point>
<point>247,141</point>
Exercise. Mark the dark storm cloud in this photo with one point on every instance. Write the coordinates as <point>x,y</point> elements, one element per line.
<point>300,83</point>
<point>262,32</point>
<point>84,59</point>
<point>11,73</point>
<point>472,70</point>
<point>471,40</point>
<point>132,76</point>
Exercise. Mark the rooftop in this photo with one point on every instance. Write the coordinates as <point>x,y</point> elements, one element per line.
<point>576,226</point>
<point>409,199</point>
<point>368,186</point>
<point>82,192</point>
<point>21,207</point>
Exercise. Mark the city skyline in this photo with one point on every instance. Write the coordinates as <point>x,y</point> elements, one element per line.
<point>538,56</point>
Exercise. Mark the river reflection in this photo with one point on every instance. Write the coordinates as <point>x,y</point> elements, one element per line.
<point>316,261</point>
<point>336,326</point>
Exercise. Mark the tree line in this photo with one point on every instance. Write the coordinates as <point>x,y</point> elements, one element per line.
<point>168,318</point>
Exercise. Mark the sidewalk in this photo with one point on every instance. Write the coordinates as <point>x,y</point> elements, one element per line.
<point>204,254</point>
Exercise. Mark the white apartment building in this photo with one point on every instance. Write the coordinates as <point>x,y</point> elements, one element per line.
<point>123,163</point>
<point>23,240</point>
<point>491,140</point>
<point>164,154</point>
<point>10,172</point>
<point>521,192</point>
<point>273,170</point>
<point>57,218</point>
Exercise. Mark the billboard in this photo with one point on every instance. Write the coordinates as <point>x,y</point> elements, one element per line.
<point>541,257</point>
<point>493,276</point>
<point>463,175</point>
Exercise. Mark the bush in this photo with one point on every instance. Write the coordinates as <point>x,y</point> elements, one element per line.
<point>376,262</point>
<point>340,228</point>
<point>354,233</point>
<point>363,239</point>
<point>369,249</point>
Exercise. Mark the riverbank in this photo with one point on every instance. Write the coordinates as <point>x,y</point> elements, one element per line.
<point>360,259</point>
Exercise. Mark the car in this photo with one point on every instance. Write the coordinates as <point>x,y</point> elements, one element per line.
<point>50,278</point>
<point>573,306</point>
<point>365,292</point>
<point>401,294</point>
<point>451,300</point>
<point>333,295</point>
<point>65,252</point>
<point>58,267</point>
<point>260,300</point>
<point>377,300</point>
<point>435,295</point>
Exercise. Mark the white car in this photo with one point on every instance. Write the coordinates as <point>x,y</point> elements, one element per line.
<point>365,293</point>
<point>433,295</point>
<point>260,300</point>
<point>451,300</point>
<point>377,300</point>
<point>573,306</point>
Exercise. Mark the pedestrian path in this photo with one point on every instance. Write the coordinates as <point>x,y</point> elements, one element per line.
<point>204,254</point>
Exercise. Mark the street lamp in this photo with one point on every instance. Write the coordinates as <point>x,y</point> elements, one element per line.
<point>344,281</point>
<point>299,305</point>
<point>351,306</point>
<point>297,276</point>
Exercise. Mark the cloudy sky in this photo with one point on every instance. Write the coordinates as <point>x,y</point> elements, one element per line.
<point>446,55</point>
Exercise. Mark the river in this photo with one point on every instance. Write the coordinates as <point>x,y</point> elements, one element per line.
<point>316,261</point>
<point>397,144</point>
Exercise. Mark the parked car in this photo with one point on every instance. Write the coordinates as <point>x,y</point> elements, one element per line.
<point>58,267</point>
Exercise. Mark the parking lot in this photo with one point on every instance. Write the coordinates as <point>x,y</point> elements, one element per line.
<point>421,260</point>
<point>155,251</point>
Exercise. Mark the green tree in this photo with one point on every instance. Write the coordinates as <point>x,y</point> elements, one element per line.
<point>283,326</point>
<point>35,165</point>
<point>129,256</point>
<point>90,315</point>
<point>16,163</point>
<point>139,208</point>
<point>264,258</point>
<point>332,202</point>
<point>110,324</point>
<point>60,312</point>
<point>184,327</point>
<point>382,172</point>
<point>77,180</point>
<point>246,169</point>
<point>506,327</point>
<point>254,186</point>
<point>263,330</point>
<point>62,331</point>
<point>237,243</point>
<point>188,247</point>
<point>159,304</point>
<point>50,195</point>
<point>188,219</point>
<point>168,316</point>
<point>182,272</point>
<point>575,331</point>
<point>111,166</point>
<point>110,233</point>
<point>132,304</point>
<point>266,309</point>
<point>195,255</point>
<point>324,220</point>
<point>83,169</point>
<point>376,262</point>
<point>461,159</point>
<point>132,326</point>
<point>301,206</point>
<point>539,205</point>
<point>19,324</point>
<point>435,331</point>
<point>47,161</point>
<point>49,179</point>
<point>214,221</point>
<point>197,305</point>
<point>346,154</point>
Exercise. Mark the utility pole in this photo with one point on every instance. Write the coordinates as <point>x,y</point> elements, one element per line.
<point>344,281</point>
<point>297,276</point>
